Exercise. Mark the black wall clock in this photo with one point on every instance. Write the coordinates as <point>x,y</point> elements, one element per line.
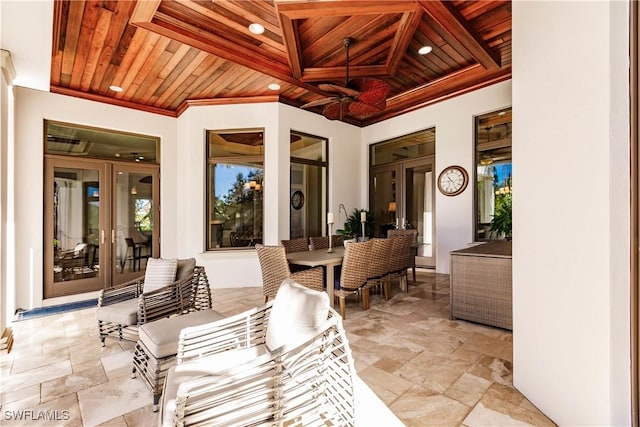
<point>297,200</point>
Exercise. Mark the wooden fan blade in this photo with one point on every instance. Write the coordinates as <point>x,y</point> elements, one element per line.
<point>372,91</point>
<point>362,109</point>
<point>337,110</point>
<point>323,101</point>
<point>338,89</point>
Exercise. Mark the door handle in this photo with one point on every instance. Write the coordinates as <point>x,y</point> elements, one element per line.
<point>113,236</point>
<point>102,237</point>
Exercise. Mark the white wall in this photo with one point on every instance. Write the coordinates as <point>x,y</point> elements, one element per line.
<point>571,210</point>
<point>453,120</point>
<point>32,107</point>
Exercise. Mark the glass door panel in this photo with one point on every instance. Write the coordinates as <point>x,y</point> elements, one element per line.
<point>419,210</point>
<point>75,214</point>
<point>384,189</point>
<point>133,236</point>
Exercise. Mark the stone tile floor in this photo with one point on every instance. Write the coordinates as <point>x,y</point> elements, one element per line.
<point>429,370</point>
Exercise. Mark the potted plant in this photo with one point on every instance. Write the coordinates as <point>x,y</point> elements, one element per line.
<point>501,221</point>
<point>353,227</point>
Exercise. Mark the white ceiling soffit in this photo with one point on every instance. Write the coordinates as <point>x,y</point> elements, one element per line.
<point>25,31</point>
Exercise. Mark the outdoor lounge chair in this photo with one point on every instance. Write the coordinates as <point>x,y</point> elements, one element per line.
<point>165,290</point>
<point>287,362</point>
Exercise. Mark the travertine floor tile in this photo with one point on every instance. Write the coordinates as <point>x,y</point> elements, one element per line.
<point>430,370</point>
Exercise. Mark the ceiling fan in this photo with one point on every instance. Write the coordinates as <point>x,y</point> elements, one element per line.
<point>362,96</point>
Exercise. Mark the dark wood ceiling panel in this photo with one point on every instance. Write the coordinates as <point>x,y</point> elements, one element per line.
<point>168,55</point>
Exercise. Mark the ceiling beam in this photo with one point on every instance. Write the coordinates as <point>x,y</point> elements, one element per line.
<point>454,23</point>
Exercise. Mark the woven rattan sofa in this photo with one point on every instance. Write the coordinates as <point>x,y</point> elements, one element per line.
<point>123,308</point>
<point>287,362</point>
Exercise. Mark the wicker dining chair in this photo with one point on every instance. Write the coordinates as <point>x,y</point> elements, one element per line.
<point>379,265</point>
<point>414,246</point>
<point>275,268</point>
<point>353,279</point>
<point>322,242</point>
<point>295,245</point>
<point>400,260</point>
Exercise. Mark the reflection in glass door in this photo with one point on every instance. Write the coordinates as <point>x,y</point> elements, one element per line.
<point>402,196</point>
<point>91,203</point>
<point>134,212</point>
<point>73,251</point>
<point>419,208</point>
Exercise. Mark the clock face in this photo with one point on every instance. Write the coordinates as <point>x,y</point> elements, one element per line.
<point>453,180</point>
<point>297,200</point>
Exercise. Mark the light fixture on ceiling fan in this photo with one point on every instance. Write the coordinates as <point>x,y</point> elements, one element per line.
<point>362,97</point>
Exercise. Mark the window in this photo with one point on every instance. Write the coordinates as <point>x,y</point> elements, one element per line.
<point>308,185</point>
<point>235,180</point>
<point>493,171</point>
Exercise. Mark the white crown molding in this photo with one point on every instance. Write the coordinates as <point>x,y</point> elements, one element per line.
<point>8,70</point>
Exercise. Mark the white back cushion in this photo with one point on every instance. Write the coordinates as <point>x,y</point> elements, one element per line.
<point>296,315</point>
<point>160,272</point>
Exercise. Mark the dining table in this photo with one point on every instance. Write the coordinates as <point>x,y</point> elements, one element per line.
<point>320,257</point>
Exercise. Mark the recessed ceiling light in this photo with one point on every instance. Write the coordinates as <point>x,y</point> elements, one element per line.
<point>274,86</point>
<point>256,28</point>
<point>115,88</point>
<point>424,50</point>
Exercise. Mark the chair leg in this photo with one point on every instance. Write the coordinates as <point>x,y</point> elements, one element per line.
<point>414,274</point>
<point>366,301</point>
<point>386,288</point>
<point>342,306</point>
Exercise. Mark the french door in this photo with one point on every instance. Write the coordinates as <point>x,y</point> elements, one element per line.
<point>101,219</point>
<point>401,195</point>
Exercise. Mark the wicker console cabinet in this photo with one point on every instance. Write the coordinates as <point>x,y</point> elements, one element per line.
<point>481,284</point>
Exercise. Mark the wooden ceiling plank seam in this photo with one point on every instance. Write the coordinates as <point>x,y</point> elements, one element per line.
<point>149,69</point>
<point>262,12</point>
<point>338,73</point>
<point>404,35</point>
<point>243,81</point>
<point>451,20</point>
<point>297,10</point>
<point>87,28</point>
<point>209,61</point>
<point>178,57</point>
<point>329,50</point>
<point>120,34</point>
<point>434,29</point>
<point>255,62</point>
<point>472,9</point>
<point>219,85</point>
<point>169,73</point>
<point>59,30</point>
<point>97,42</point>
<point>147,80</point>
<point>241,28</point>
<point>109,100</point>
<point>132,54</point>
<point>144,10</point>
<point>74,25</point>
<point>224,46</point>
<point>140,57</point>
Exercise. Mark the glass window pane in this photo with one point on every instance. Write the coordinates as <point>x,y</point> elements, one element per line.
<point>235,180</point>
<point>417,144</point>
<point>74,140</point>
<point>308,173</point>
<point>493,173</point>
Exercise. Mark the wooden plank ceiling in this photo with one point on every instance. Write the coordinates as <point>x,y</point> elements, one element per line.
<point>167,55</point>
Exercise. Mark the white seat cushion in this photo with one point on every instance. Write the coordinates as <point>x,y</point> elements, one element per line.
<point>297,315</point>
<point>160,272</point>
<point>161,337</point>
<point>122,313</point>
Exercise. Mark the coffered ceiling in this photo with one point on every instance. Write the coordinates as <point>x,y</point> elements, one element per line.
<point>168,55</point>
